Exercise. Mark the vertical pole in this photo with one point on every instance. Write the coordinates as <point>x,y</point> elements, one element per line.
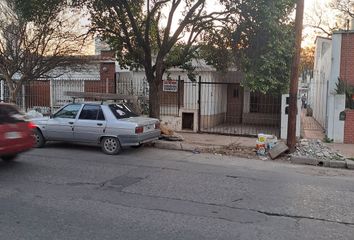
<point>199,101</point>
<point>2,91</point>
<point>294,81</point>
<point>23,98</point>
<point>51,95</point>
<point>179,94</point>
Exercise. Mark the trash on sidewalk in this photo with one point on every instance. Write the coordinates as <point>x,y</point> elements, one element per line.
<point>174,137</point>
<point>166,130</point>
<point>265,143</point>
<point>169,135</point>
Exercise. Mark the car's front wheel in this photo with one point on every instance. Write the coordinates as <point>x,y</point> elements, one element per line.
<point>38,138</point>
<point>110,145</point>
<point>9,158</point>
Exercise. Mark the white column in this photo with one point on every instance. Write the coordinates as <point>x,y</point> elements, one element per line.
<point>246,100</point>
<point>2,91</point>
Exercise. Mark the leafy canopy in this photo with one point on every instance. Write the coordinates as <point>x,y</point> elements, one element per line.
<point>264,43</point>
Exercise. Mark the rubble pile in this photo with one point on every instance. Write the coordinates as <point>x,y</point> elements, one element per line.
<point>169,135</point>
<point>316,149</point>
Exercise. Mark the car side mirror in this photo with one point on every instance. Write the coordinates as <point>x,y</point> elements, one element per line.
<point>51,115</point>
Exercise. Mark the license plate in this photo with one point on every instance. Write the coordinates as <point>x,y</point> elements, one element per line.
<point>149,127</point>
<point>12,135</point>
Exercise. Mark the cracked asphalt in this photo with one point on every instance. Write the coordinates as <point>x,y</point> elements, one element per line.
<point>75,192</point>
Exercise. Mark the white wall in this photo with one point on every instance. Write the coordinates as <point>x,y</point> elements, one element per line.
<point>322,73</point>
<point>335,129</point>
<point>284,118</point>
<point>333,126</point>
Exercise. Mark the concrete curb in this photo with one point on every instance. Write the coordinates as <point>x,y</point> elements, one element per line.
<point>305,160</point>
<point>337,164</point>
<point>323,163</point>
<point>182,146</point>
<point>350,164</point>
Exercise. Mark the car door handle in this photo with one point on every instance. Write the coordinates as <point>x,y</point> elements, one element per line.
<point>99,124</point>
<point>71,123</point>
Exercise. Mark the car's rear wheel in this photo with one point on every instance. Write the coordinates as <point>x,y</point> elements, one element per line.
<point>39,139</point>
<point>9,158</point>
<point>110,145</point>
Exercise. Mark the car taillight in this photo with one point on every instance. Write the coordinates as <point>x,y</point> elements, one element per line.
<point>157,125</point>
<point>31,125</point>
<point>139,130</point>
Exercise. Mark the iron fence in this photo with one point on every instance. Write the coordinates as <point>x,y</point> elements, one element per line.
<point>214,107</point>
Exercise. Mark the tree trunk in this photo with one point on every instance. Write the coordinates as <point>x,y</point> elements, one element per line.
<point>154,97</point>
<point>13,92</point>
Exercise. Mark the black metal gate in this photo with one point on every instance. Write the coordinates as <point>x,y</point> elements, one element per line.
<point>227,108</point>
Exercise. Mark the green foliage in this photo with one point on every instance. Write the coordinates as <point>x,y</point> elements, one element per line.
<point>346,89</point>
<point>326,139</point>
<point>264,43</point>
<point>38,11</point>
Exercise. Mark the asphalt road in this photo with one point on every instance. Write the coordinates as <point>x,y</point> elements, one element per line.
<point>74,192</point>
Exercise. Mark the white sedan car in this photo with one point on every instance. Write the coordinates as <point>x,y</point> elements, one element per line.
<point>111,125</point>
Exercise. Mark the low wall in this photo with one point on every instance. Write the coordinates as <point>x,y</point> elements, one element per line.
<point>212,120</point>
<point>261,119</point>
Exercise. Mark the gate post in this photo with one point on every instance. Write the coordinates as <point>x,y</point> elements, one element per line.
<point>2,91</point>
<point>179,94</point>
<point>199,102</point>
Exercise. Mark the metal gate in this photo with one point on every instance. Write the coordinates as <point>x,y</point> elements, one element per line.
<point>227,108</point>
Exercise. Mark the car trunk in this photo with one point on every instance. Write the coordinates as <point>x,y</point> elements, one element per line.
<point>147,123</point>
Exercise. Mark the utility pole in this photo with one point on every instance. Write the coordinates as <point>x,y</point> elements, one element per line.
<point>294,81</point>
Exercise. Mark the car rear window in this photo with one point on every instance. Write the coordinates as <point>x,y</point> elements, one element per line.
<point>9,114</point>
<point>121,111</point>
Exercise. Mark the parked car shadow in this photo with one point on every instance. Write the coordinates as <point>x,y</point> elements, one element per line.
<point>88,148</point>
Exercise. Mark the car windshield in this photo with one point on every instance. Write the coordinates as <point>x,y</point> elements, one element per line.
<point>121,111</point>
<point>9,114</point>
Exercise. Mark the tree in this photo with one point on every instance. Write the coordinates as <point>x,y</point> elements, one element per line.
<point>307,60</point>
<point>155,34</point>
<point>346,7</point>
<point>264,43</point>
<point>36,37</point>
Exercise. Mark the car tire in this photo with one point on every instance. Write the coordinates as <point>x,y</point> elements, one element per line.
<point>9,158</point>
<point>39,139</point>
<point>110,145</point>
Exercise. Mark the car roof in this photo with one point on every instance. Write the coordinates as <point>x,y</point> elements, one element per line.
<point>96,103</point>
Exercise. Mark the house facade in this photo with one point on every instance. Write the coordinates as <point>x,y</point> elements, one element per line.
<point>215,102</point>
<point>334,61</point>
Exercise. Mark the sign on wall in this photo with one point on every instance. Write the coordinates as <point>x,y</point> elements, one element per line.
<point>170,85</point>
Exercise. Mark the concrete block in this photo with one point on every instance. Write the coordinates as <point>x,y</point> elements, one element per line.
<point>350,164</point>
<point>337,164</point>
<point>278,149</point>
<point>304,160</point>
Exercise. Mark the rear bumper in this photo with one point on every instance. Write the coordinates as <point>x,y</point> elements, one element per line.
<point>135,140</point>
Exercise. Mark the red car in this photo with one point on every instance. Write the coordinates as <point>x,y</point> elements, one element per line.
<point>16,134</point>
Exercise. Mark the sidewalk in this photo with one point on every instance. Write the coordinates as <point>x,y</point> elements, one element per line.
<point>211,143</point>
<point>310,128</point>
<point>244,145</point>
<point>346,150</point>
